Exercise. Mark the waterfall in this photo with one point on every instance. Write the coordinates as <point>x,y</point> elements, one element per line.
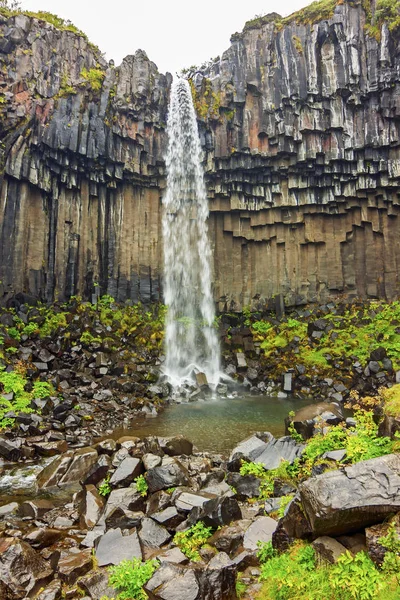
<point>191,338</point>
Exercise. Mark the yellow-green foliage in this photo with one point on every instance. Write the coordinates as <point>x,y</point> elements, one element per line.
<point>206,103</point>
<point>297,44</point>
<point>298,575</point>
<point>387,11</point>
<point>94,77</point>
<point>391,397</point>
<point>313,13</point>
<point>16,382</point>
<point>356,332</point>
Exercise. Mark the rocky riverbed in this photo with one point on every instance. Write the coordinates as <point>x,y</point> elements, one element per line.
<point>75,499</point>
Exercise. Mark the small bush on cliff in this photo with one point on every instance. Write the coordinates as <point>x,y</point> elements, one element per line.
<point>94,77</point>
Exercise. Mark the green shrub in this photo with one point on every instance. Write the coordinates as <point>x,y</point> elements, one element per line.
<point>141,485</point>
<point>105,487</point>
<point>42,389</point>
<point>130,576</point>
<point>191,540</point>
<point>94,77</point>
<point>13,382</point>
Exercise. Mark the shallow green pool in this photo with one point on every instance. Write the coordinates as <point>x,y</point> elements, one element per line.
<point>217,425</point>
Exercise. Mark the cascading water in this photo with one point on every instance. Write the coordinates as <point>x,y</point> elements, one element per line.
<point>191,339</point>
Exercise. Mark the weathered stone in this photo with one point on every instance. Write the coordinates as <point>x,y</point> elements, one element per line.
<point>305,419</point>
<point>42,537</point>
<point>91,507</point>
<point>363,494</point>
<point>35,509</point>
<point>169,517</point>
<point>124,498</point>
<point>246,486</point>
<point>113,547</point>
<point>9,450</point>
<point>173,582</point>
<point>52,474</point>
<point>81,464</point>
<point>22,569</point>
<point>265,449</point>
<point>153,535</point>
<point>328,549</point>
<point>170,474</point>
<point>185,501</point>
<point>218,580</point>
<point>8,509</point>
<point>216,512</point>
<point>127,471</point>
<point>260,530</point>
<point>72,566</point>
<point>122,518</point>
<point>228,539</point>
<point>53,591</point>
<point>176,446</point>
<point>95,584</point>
<point>51,448</point>
<point>98,471</point>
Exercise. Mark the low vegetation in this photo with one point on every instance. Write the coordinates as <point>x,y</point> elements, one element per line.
<point>297,574</point>
<point>191,540</point>
<point>129,577</point>
<point>94,77</point>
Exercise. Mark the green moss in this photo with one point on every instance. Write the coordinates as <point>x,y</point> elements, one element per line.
<point>313,13</point>
<point>297,44</point>
<point>207,103</point>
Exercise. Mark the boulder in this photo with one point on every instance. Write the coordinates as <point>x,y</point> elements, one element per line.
<point>218,580</point>
<point>126,499</point>
<point>81,464</point>
<point>95,584</point>
<point>22,569</point>
<point>35,509</point>
<point>328,549</point>
<point>171,473</point>
<point>185,501</point>
<point>90,507</point>
<point>173,582</point>
<point>42,537</point>
<point>113,547</point>
<point>53,591</point>
<point>260,530</point>
<point>169,517</point>
<point>216,512</point>
<point>246,486</point>
<point>176,446</point>
<point>346,500</point>
<point>53,472</point>
<point>228,539</point>
<point>153,535</point>
<point>74,565</point>
<point>265,449</point>
<point>123,518</point>
<point>10,451</point>
<point>127,471</point>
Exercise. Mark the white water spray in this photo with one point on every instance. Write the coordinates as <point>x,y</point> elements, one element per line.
<point>191,339</point>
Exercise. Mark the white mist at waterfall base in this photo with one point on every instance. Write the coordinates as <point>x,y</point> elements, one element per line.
<point>191,339</point>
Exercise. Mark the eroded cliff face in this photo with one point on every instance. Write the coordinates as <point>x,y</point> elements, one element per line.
<point>301,130</point>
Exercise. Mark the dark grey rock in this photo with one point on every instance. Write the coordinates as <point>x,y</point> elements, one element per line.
<point>113,547</point>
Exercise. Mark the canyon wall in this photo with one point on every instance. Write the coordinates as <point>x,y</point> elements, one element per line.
<point>300,125</point>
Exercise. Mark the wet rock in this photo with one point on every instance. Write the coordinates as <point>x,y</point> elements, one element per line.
<point>42,537</point>
<point>22,569</point>
<point>153,535</point>
<point>246,486</point>
<point>90,507</point>
<point>35,509</point>
<point>53,591</point>
<point>10,451</point>
<point>158,501</point>
<point>265,449</point>
<point>170,474</point>
<point>123,518</point>
<point>98,471</point>
<point>127,471</point>
<point>72,566</point>
<point>50,448</point>
<point>216,512</point>
<point>343,501</point>
<point>95,584</point>
<point>177,446</point>
<point>241,360</point>
<point>53,472</point>
<point>108,446</point>
<point>328,549</point>
<point>113,547</point>
<point>260,530</point>
<point>174,555</point>
<point>173,582</point>
<point>81,464</point>
<point>218,580</point>
<point>8,509</point>
<point>201,380</point>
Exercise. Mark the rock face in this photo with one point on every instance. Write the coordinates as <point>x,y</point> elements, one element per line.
<point>301,130</point>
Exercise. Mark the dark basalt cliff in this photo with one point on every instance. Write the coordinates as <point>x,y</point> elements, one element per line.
<point>301,127</point>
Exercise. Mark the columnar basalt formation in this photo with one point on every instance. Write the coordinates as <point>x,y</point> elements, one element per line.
<point>300,124</point>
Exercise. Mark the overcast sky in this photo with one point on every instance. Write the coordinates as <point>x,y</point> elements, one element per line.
<point>174,33</point>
